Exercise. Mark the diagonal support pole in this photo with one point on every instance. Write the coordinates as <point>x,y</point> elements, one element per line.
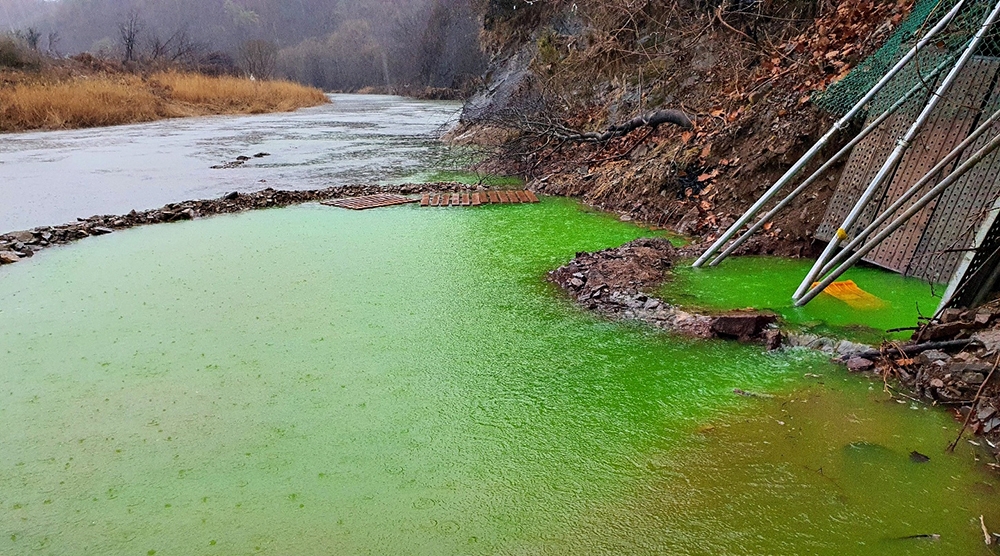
<point>890,164</point>
<point>840,124</point>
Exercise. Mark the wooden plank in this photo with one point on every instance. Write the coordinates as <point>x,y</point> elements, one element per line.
<point>512,197</point>
<point>532,198</point>
<point>494,197</point>
<point>425,200</point>
<point>475,200</point>
<point>502,195</point>
<point>455,200</point>
<point>523,197</point>
<point>465,200</point>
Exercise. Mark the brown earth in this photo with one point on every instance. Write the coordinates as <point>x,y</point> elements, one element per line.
<point>744,79</point>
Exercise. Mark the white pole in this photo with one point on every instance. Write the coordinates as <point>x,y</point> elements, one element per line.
<point>829,163</point>
<point>841,123</point>
<point>889,166</point>
<point>924,180</point>
<point>901,219</point>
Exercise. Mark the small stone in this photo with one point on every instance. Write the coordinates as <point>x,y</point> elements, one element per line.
<point>950,315</point>
<point>932,355</point>
<point>859,364</point>
<point>187,214</point>
<point>772,339</point>
<point>982,317</point>
<point>917,457</point>
<point>971,367</point>
<point>232,196</point>
<point>261,155</point>
<point>973,378</point>
<point>576,283</point>
<point>23,237</point>
<point>242,158</point>
<point>985,413</point>
<point>990,425</point>
<point>937,383</point>
<point>100,230</point>
<point>8,257</point>
<point>579,275</point>
<point>651,304</point>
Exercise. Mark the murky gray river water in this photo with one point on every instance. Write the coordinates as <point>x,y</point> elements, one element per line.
<point>53,177</point>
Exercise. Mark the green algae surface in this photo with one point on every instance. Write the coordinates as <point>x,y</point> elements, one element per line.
<point>768,283</point>
<point>313,380</point>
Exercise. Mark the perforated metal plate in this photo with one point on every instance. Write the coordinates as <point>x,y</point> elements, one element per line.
<point>930,245</point>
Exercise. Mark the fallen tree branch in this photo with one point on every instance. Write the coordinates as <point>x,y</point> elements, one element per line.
<point>913,349</point>
<point>651,119</point>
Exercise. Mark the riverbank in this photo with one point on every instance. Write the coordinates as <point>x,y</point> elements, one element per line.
<point>18,245</point>
<point>948,363</point>
<point>70,98</point>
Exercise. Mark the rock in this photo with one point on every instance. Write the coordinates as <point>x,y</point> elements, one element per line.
<point>651,304</point>
<point>937,383</point>
<point>23,236</point>
<point>772,339</point>
<point>186,214</point>
<point>859,364</point>
<point>576,283</point>
<point>846,349</point>
<point>242,158</point>
<point>991,425</point>
<point>741,326</point>
<point>9,257</point>
<point>982,317</point>
<point>100,230</point>
<point>950,315</point>
<point>917,457</point>
<point>261,155</point>
<point>973,378</point>
<point>932,355</point>
<point>951,330</point>
<point>970,367</point>
<point>990,338</point>
<point>232,196</point>
<point>986,412</point>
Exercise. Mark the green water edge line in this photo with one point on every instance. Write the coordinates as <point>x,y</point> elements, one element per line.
<point>767,283</point>
<point>462,176</point>
<point>312,380</point>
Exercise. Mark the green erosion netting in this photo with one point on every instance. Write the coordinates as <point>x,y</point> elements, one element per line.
<point>841,96</point>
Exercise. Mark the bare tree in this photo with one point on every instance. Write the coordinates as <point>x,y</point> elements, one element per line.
<point>30,36</point>
<point>258,58</point>
<point>128,36</point>
<point>54,39</point>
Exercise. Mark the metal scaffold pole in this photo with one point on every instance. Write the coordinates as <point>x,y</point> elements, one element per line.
<point>840,124</point>
<point>868,129</point>
<point>901,219</point>
<point>889,166</point>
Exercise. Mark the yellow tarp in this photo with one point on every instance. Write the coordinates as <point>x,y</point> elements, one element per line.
<point>849,292</point>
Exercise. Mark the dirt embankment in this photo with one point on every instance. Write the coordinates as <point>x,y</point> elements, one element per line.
<point>744,72</point>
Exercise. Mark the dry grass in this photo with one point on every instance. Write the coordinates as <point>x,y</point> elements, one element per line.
<point>102,99</point>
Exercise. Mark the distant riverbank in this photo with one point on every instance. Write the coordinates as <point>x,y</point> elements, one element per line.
<point>31,101</point>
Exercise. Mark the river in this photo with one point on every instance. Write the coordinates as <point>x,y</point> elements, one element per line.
<point>312,380</point>
<point>49,178</point>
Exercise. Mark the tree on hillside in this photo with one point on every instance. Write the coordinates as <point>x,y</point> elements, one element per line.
<point>258,58</point>
<point>128,36</point>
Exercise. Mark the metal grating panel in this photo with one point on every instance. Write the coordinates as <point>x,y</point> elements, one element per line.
<point>955,220</point>
<point>947,126</point>
<point>862,165</point>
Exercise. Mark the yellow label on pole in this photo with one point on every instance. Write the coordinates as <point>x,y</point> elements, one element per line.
<point>841,234</point>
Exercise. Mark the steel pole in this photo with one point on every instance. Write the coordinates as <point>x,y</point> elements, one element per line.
<point>812,152</point>
<point>901,219</point>
<point>890,164</point>
<point>870,127</point>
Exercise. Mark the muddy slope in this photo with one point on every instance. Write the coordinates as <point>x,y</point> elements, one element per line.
<point>745,77</point>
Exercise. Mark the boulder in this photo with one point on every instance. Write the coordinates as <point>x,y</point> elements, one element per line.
<point>741,326</point>
<point>859,364</point>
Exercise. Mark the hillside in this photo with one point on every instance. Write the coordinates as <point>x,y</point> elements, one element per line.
<point>744,73</point>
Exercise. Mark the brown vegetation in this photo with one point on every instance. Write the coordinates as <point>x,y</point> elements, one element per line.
<point>744,71</point>
<point>40,101</point>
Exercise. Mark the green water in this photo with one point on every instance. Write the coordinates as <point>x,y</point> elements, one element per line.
<point>402,381</point>
<point>768,283</point>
